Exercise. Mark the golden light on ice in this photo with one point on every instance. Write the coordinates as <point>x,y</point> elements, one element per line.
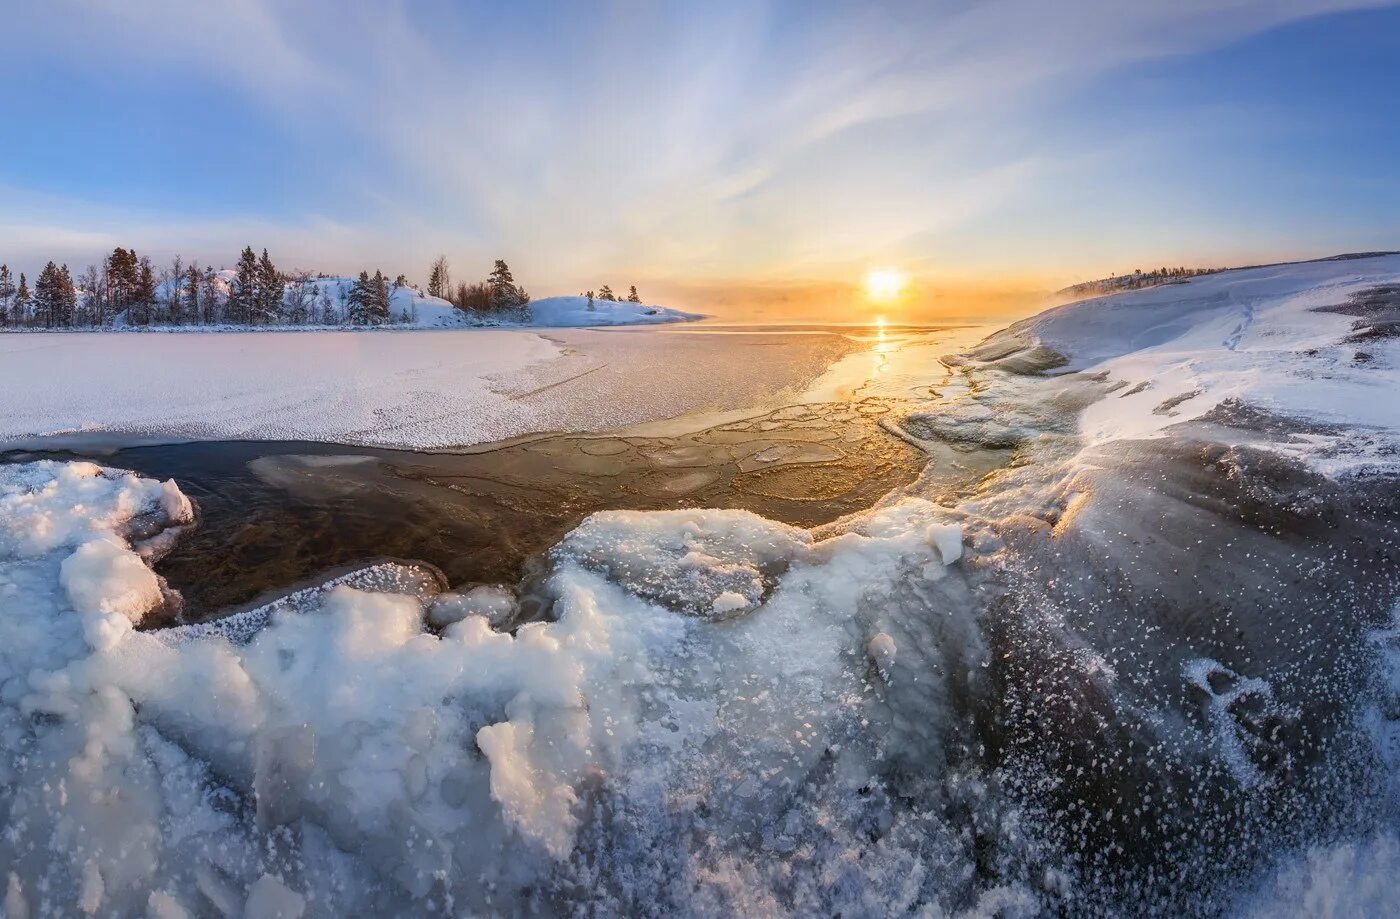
<point>884,284</point>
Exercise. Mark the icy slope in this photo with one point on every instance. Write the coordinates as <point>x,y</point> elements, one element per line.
<point>1311,342</point>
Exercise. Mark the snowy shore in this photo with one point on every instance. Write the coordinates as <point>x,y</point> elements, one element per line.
<point>1147,665</point>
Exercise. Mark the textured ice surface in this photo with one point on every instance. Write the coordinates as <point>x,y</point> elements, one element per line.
<point>415,389</point>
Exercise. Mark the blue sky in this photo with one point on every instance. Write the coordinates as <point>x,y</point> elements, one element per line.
<point>703,148</point>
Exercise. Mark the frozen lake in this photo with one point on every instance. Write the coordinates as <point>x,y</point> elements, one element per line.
<point>410,389</point>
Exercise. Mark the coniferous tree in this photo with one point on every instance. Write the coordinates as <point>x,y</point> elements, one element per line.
<point>505,294</point>
<point>605,293</point>
<point>7,292</point>
<point>378,312</point>
<point>357,301</point>
<point>271,287</point>
<point>123,278</point>
<point>632,295</point>
<point>439,278</point>
<point>22,302</point>
<point>46,296</point>
<point>66,304</point>
<point>242,294</point>
<point>209,294</point>
<point>144,298</point>
<point>191,305</point>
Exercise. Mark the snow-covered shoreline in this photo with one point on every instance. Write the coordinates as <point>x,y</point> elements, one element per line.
<point>412,311</point>
<point>1170,597</point>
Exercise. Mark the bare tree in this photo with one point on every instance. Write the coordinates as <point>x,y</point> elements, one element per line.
<point>301,295</point>
<point>174,283</point>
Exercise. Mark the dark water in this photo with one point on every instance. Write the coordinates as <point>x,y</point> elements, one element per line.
<point>273,514</point>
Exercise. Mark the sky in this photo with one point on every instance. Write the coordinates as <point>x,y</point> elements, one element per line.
<point>754,159</point>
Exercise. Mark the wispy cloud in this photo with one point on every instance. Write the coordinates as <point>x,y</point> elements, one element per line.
<point>696,140</point>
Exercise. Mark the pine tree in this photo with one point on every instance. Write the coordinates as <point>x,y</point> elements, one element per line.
<point>46,296</point>
<point>632,295</point>
<point>66,302</point>
<point>606,294</point>
<point>505,294</point>
<point>7,291</point>
<point>209,295</point>
<point>191,306</point>
<point>271,288</point>
<point>439,279</point>
<point>591,305</point>
<point>244,290</point>
<point>22,302</point>
<point>144,298</point>
<point>123,277</point>
<point>357,301</point>
<point>378,306</point>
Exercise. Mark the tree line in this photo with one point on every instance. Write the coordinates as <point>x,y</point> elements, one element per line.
<point>498,293</point>
<point>128,289</point>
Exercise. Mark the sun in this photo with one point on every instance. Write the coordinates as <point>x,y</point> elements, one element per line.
<point>883,284</point>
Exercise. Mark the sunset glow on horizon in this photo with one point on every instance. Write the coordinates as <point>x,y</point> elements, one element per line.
<point>884,284</point>
<point>770,146</point>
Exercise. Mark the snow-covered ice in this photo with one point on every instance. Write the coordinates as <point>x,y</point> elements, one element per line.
<point>413,389</point>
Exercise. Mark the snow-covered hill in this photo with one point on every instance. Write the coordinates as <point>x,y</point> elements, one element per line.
<point>322,300</point>
<point>567,312</point>
<point>1314,342</point>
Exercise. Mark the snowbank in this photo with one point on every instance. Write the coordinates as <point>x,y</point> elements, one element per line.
<point>1286,341</point>
<point>338,754</point>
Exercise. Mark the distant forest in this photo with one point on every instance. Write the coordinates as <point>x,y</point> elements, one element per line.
<point>127,291</point>
<point>1135,279</point>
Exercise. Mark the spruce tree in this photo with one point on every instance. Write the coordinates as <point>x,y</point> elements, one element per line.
<point>46,296</point>
<point>357,301</point>
<point>191,306</point>
<point>378,312</point>
<point>632,295</point>
<point>243,292</point>
<point>272,288</point>
<point>209,295</point>
<point>66,300</point>
<point>605,293</point>
<point>7,292</point>
<point>144,297</point>
<point>22,301</point>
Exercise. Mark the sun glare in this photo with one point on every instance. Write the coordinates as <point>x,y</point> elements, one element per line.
<point>884,284</point>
